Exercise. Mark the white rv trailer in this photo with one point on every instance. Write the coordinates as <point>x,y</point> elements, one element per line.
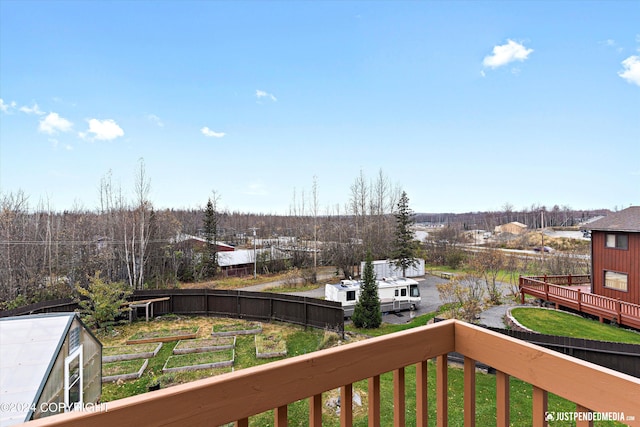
<point>395,294</point>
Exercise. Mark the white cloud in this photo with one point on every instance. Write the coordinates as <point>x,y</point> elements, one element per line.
<point>631,72</point>
<point>53,123</point>
<point>32,110</point>
<point>5,107</point>
<point>208,132</point>
<point>505,54</point>
<point>103,130</point>
<point>155,119</point>
<point>262,94</point>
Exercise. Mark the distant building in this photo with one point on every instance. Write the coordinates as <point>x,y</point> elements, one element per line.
<point>615,255</point>
<point>512,228</point>
<point>49,364</point>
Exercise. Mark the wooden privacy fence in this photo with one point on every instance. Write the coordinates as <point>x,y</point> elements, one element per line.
<point>263,306</point>
<point>623,313</point>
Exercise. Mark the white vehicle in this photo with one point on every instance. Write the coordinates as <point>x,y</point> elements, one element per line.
<point>395,294</point>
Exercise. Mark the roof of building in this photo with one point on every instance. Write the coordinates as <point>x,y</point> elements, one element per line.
<point>29,348</point>
<point>624,220</point>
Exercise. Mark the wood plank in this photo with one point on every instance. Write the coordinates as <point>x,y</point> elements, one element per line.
<point>346,405</point>
<point>502,400</point>
<point>422,402</point>
<point>540,407</point>
<point>442,392</point>
<point>374,401</point>
<point>399,405</point>
<point>280,416</point>
<point>469,392</point>
<point>315,410</point>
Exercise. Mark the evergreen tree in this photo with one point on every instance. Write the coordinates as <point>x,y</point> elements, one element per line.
<point>211,237</point>
<point>103,302</point>
<point>404,247</point>
<point>367,310</point>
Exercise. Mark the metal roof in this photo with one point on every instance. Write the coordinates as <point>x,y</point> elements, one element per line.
<point>29,346</point>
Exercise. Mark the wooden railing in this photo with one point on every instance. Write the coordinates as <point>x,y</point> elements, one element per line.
<point>236,396</point>
<point>623,313</point>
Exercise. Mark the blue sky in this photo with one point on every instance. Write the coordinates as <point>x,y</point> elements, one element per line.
<point>465,105</point>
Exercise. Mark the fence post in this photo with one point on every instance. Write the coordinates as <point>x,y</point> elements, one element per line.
<point>520,285</point>
<point>546,288</point>
<point>579,298</point>
<point>618,311</point>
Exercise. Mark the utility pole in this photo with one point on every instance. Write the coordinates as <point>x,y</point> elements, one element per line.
<point>255,259</point>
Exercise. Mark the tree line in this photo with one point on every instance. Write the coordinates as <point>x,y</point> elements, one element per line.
<point>44,254</point>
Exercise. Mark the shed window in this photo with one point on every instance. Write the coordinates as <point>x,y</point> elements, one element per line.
<point>351,295</point>
<point>617,241</point>
<point>615,280</point>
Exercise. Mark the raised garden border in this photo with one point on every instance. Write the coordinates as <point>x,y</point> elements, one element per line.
<point>188,368</point>
<point>125,377</point>
<point>253,331</point>
<point>178,351</point>
<point>268,355</point>
<point>120,357</point>
<point>165,339</point>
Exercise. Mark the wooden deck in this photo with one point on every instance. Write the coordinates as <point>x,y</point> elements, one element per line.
<point>569,291</point>
<point>236,396</point>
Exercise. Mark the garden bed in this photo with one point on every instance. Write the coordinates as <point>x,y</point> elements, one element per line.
<point>129,352</point>
<point>269,346</point>
<point>123,370</point>
<point>237,327</point>
<point>205,345</point>
<point>163,335</point>
<point>195,361</point>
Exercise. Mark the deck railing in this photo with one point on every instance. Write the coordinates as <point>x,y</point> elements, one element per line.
<point>543,287</point>
<point>236,396</point>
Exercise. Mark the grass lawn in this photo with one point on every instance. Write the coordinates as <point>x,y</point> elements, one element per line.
<point>233,325</point>
<point>121,367</point>
<point>199,358</point>
<point>129,349</point>
<point>552,322</point>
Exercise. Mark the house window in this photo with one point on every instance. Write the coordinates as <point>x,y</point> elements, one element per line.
<point>351,295</point>
<point>615,280</point>
<point>617,241</point>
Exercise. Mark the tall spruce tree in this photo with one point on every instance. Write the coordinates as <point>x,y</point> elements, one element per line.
<point>404,247</point>
<point>366,313</point>
<point>211,237</point>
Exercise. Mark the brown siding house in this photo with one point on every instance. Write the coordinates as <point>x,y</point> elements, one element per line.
<point>615,255</point>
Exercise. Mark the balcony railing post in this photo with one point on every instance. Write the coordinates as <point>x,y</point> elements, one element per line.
<point>398,398</point>
<point>280,416</point>
<point>346,405</point>
<point>540,405</point>
<point>583,421</point>
<point>422,406</point>
<point>374,401</point>
<point>315,410</point>
<point>469,392</point>
<point>442,390</point>
<point>618,311</point>
<point>502,399</point>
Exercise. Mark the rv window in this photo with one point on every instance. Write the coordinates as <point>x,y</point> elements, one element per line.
<point>403,292</point>
<point>415,292</point>
<point>396,292</point>
<point>351,295</point>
